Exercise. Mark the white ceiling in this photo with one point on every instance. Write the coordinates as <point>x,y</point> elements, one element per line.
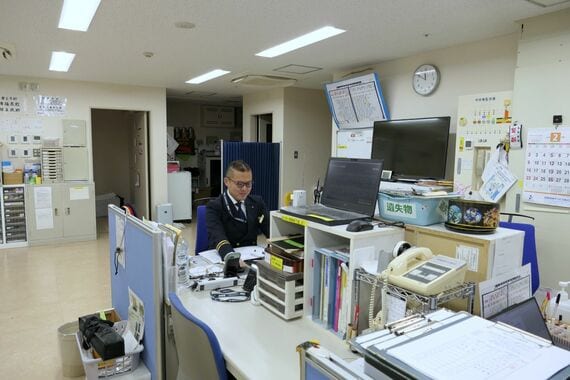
<point>228,33</point>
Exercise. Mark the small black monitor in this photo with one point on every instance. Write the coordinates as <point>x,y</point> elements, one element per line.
<point>352,184</point>
<point>525,316</point>
<point>412,148</point>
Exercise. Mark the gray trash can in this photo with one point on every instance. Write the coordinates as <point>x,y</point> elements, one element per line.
<point>71,364</point>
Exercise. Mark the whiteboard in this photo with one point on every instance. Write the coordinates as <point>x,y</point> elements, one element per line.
<point>354,143</point>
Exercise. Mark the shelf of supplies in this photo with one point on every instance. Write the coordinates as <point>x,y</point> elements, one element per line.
<point>425,303</point>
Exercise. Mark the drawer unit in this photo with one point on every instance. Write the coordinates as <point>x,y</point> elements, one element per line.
<point>280,292</point>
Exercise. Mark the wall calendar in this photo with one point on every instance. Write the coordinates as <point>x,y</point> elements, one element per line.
<point>547,167</point>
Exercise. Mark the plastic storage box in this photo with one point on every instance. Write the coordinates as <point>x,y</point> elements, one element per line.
<point>280,292</point>
<point>413,209</point>
<point>96,368</point>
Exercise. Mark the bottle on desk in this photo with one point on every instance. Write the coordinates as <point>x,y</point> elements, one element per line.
<point>562,307</point>
<point>182,263</point>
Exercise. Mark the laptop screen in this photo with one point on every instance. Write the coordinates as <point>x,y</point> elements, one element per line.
<point>351,184</point>
<point>525,316</point>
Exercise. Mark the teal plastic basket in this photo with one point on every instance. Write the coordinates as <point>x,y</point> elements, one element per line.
<point>412,209</point>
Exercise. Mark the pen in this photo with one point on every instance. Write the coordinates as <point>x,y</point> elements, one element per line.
<point>556,307</point>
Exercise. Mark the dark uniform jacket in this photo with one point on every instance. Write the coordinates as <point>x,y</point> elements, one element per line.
<point>225,229</point>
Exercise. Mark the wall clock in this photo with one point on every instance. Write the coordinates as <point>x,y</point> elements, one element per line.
<point>425,79</point>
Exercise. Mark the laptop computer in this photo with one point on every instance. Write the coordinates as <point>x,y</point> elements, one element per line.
<point>350,192</point>
<point>524,316</point>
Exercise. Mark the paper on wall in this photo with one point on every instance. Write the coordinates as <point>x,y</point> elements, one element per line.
<point>508,254</point>
<point>498,180</point>
<point>500,292</point>
<point>470,255</point>
<point>42,197</point>
<point>77,193</point>
<point>136,315</point>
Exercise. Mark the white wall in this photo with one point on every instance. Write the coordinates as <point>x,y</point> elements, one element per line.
<point>260,103</point>
<point>482,66</point>
<point>542,83</point>
<point>305,130</point>
<point>83,96</point>
<point>301,122</point>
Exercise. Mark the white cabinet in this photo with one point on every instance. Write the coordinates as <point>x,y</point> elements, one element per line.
<point>362,246</point>
<point>180,195</point>
<point>213,116</point>
<point>60,212</point>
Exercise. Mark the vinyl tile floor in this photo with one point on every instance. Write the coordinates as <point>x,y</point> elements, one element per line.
<point>44,287</point>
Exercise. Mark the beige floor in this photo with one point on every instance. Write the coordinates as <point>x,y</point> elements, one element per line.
<point>42,288</point>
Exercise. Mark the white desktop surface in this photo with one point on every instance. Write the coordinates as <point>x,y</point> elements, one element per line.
<point>256,343</point>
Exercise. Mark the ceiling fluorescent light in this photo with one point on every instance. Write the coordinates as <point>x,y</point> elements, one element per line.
<point>299,42</point>
<point>77,14</point>
<point>206,77</point>
<point>60,60</point>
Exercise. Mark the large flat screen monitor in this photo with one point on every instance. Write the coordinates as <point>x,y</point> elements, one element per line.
<point>412,148</point>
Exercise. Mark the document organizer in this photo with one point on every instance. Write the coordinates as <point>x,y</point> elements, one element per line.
<point>448,345</point>
<point>280,292</point>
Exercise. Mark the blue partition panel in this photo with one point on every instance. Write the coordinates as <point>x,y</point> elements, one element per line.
<point>264,161</point>
<point>143,275</point>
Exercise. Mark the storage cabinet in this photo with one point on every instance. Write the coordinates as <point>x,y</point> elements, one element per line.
<point>361,246</point>
<point>213,116</point>
<point>14,214</point>
<point>60,211</point>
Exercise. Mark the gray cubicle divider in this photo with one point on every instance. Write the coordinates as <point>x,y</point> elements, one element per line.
<point>143,275</point>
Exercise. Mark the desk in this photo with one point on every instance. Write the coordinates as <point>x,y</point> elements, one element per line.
<point>256,343</point>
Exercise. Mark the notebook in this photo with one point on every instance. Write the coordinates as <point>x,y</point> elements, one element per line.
<point>350,192</point>
<point>524,316</point>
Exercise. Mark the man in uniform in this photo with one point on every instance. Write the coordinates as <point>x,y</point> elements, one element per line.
<point>235,218</point>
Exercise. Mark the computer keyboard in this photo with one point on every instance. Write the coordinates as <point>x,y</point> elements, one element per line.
<point>334,213</point>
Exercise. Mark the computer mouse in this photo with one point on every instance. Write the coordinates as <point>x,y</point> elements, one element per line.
<point>359,225</point>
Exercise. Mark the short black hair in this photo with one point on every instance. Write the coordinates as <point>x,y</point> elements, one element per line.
<point>239,166</point>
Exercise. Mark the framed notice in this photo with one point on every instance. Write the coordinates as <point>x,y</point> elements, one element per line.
<point>357,102</point>
<point>547,167</point>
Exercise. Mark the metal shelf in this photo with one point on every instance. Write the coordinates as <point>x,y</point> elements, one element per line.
<point>418,302</point>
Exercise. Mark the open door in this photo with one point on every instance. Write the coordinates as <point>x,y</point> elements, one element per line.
<point>139,164</point>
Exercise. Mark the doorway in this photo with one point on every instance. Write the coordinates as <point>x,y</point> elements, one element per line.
<point>264,125</point>
<point>121,159</point>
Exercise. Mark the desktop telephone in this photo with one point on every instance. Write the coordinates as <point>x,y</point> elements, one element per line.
<point>418,270</point>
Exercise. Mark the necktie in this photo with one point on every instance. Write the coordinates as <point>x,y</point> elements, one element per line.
<point>240,213</point>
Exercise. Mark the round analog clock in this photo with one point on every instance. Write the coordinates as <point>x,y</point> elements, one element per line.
<point>425,79</point>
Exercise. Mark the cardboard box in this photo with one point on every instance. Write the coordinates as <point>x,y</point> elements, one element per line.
<point>15,178</point>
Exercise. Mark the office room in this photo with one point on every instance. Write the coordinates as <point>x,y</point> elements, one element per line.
<point>136,67</point>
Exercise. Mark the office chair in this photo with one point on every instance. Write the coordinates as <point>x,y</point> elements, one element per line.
<point>198,349</point>
<point>529,245</point>
<point>201,230</point>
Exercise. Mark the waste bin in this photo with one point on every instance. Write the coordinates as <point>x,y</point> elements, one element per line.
<point>71,363</point>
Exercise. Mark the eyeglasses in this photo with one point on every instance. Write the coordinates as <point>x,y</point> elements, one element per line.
<point>241,184</point>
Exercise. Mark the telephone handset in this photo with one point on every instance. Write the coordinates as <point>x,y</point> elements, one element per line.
<point>407,260</point>
<point>420,271</point>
